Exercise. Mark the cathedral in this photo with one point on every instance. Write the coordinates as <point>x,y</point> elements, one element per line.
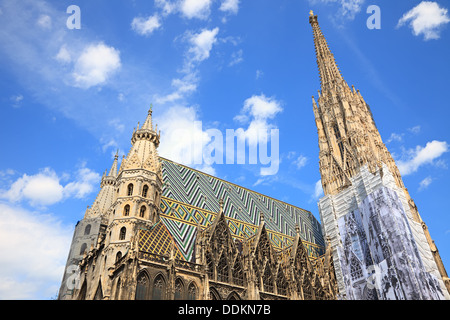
<point>160,230</point>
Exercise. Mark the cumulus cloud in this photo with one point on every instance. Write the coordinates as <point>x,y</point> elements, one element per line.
<point>426,19</point>
<point>196,8</point>
<point>201,44</point>
<point>34,250</point>
<point>257,112</point>
<point>146,26</point>
<point>421,156</point>
<point>45,188</point>
<point>183,138</point>
<point>40,189</point>
<point>230,6</point>
<point>95,65</point>
<point>85,183</point>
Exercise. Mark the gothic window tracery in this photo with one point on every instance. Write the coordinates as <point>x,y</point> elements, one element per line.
<point>192,291</point>
<point>126,210</point>
<point>238,273</point>
<point>282,284</point>
<point>222,269</point>
<point>142,286</point>
<point>210,265</point>
<point>159,287</point>
<point>355,269</point>
<point>268,280</point>
<point>179,289</point>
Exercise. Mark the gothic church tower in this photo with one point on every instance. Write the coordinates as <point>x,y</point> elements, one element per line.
<point>375,228</point>
<point>129,199</point>
<point>138,189</point>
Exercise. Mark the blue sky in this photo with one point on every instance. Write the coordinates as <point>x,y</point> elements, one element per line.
<point>70,98</point>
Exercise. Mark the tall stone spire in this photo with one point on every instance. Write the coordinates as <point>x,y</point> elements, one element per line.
<point>356,167</point>
<point>330,75</point>
<point>348,136</point>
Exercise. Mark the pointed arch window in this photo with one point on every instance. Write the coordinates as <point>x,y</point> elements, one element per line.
<point>179,289</point>
<point>126,210</point>
<point>238,274</point>
<point>87,230</point>
<point>355,269</point>
<point>130,189</point>
<point>118,289</point>
<point>268,280</point>
<point>123,233</point>
<point>145,191</point>
<point>210,265</point>
<point>99,292</point>
<point>192,292</point>
<point>281,283</point>
<point>83,248</point>
<point>142,286</point>
<point>222,269</point>
<point>159,287</point>
<point>142,212</point>
<point>118,256</point>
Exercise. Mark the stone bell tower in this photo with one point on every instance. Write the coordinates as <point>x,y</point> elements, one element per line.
<point>138,190</point>
<point>381,247</point>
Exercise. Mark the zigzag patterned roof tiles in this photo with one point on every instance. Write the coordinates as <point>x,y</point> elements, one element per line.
<point>190,200</point>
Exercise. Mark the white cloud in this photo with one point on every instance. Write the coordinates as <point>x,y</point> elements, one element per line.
<point>421,156</point>
<point>257,112</point>
<point>395,137</point>
<point>347,8</point>
<point>201,44</point>
<point>236,57</point>
<point>231,6</point>
<point>95,65</point>
<point>425,183</point>
<point>63,55</point>
<point>34,250</point>
<point>146,26</point>
<point>166,6</point>
<point>44,21</point>
<point>318,190</point>
<point>45,189</point>
<point>427,19</point>
<point>196,8</point>
<point>415,129</point>
<point>301,161</point>
<point>85,183</point>
<point>182,139</point>
<point>40,189</point>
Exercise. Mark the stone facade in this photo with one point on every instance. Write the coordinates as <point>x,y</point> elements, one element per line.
<point>157,237</point>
